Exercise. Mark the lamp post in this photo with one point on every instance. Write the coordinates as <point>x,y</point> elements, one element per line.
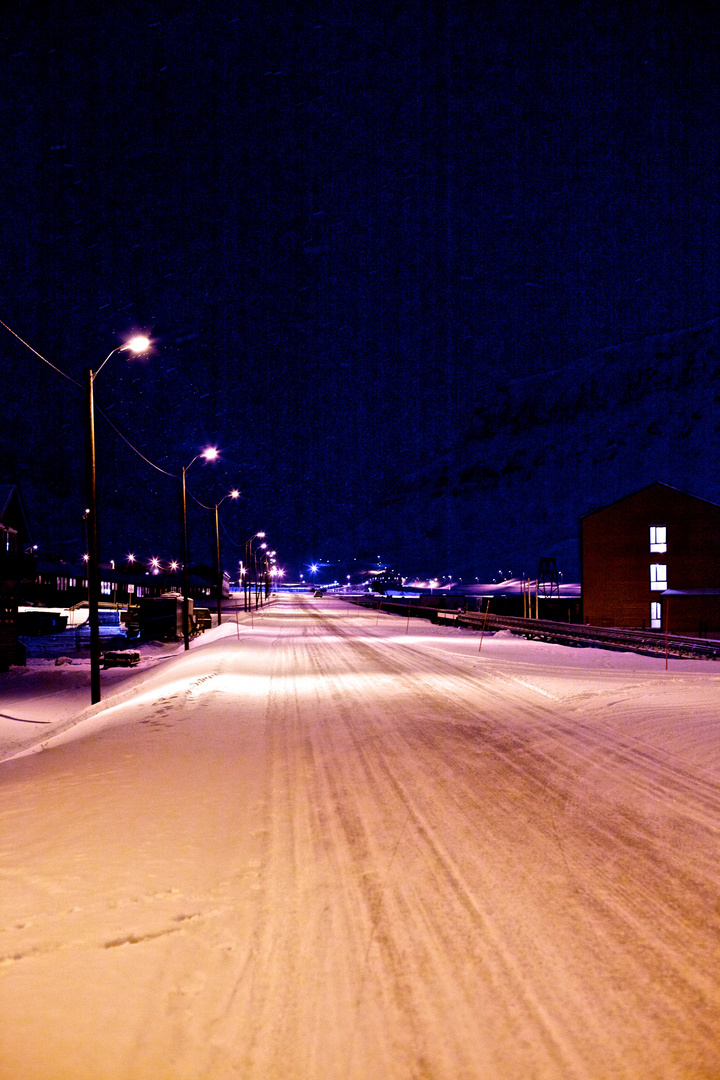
<point>234,494</point>
<point>209,455</point>
<point>137,345</point>
<point>258,589</point>
<point>248,583</point>
<point>269,572</point>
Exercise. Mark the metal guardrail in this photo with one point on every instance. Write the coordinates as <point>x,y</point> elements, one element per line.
<point>580,635</point>
<point>583,635</point>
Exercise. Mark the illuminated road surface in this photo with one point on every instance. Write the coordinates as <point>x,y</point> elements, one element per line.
<point>324,847</point>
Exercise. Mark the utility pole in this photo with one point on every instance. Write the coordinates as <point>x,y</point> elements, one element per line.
<point>93,569</point>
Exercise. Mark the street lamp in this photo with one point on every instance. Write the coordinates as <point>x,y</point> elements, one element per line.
<point>210,454</point>
<point>136,344</point>
<point>234,494</point>
<point>263,557</point>
<point>248,548</point>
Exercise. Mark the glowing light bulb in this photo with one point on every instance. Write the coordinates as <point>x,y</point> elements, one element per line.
<point>138,344</point>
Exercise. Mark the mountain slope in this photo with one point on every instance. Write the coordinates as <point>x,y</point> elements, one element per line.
<point>548,448</point>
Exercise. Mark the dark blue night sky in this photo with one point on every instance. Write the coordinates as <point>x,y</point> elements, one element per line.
<point>344,226</point>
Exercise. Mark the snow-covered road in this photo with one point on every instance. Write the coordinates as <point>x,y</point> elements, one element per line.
<point>331,848</point>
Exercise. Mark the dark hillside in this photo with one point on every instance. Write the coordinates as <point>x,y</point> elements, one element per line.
<point>511,485</point>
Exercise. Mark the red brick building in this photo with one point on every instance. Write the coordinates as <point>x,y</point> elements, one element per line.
<point>651,556</point>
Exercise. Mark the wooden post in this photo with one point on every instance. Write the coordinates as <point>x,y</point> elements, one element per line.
<point>93,562</point>
<point>482,635</point>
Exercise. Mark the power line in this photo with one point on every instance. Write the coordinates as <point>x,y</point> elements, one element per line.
<point>224,529</point>
<point>134,448</point>
<point>103,414</point>
<point>198,501</point>
<point>44,360</point>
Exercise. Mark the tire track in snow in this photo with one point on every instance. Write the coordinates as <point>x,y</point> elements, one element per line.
<point>702,985</point>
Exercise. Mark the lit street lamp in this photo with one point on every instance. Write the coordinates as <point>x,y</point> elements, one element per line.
<point>210,455</point>
<point>234,494</point>
<point>263,560</point>
<point>248,584</point>
<point>137,345</point>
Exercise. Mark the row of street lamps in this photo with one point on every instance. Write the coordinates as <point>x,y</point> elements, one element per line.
<point>270,571</point>
<point>138,344</point>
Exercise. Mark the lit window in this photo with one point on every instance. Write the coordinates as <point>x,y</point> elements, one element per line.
<point>655,615</point>
<point>105,588</point>
<point>658,577</point>
<point>658,538</point>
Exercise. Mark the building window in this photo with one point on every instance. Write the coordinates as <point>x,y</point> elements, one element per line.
<point>658,538</point>
<point>105,588</point>
<point>655,615</point>
<point>658,577</point>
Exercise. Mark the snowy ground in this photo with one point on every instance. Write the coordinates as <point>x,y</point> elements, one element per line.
<point>334,846</point>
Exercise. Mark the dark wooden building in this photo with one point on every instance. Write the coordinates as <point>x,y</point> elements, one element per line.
<point>17,566</point>
<point>60,584</point>
<point>652,559</point>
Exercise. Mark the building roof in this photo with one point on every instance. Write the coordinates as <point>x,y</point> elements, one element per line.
<point>648,487</point>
